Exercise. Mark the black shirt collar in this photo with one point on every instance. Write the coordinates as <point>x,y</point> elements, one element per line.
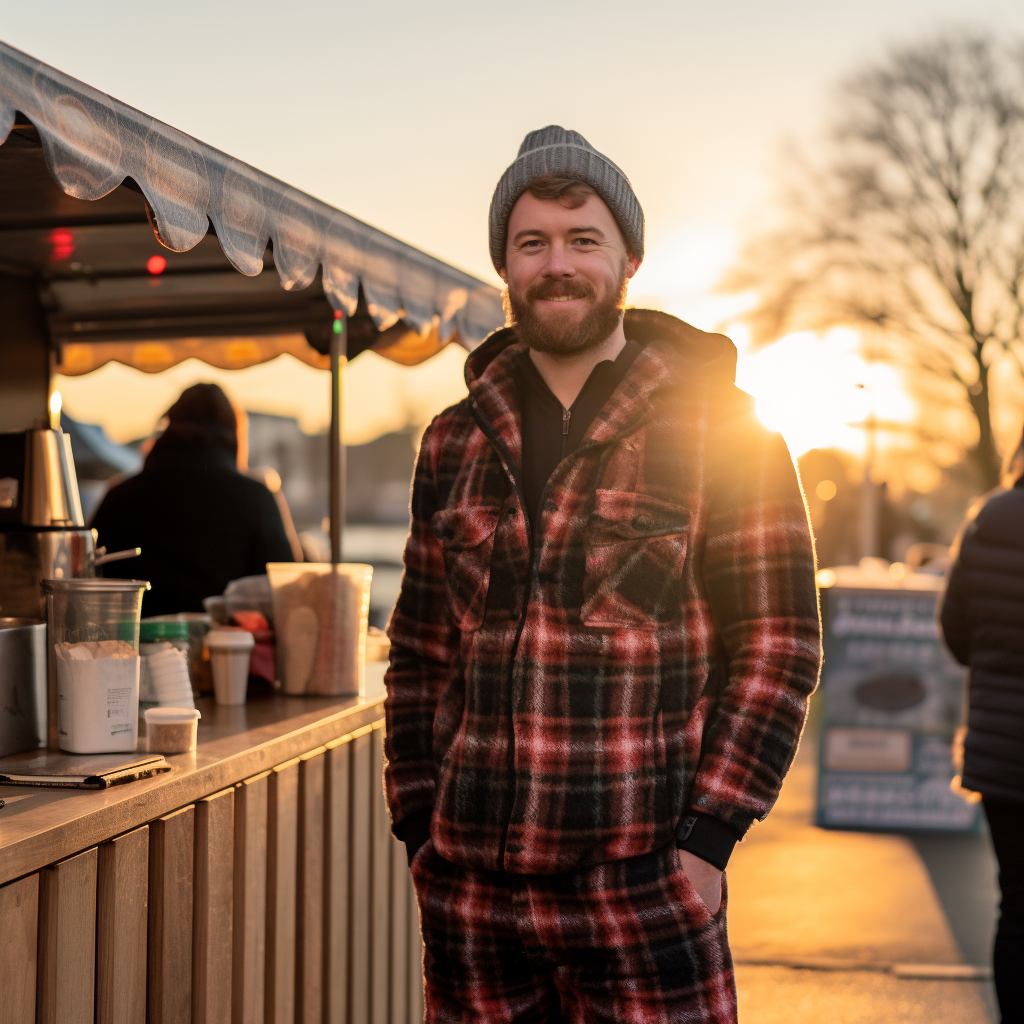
<point>603,380</point>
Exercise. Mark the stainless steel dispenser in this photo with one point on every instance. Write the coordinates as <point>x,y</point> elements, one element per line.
<point>42,530</point>
<point>23,695</point>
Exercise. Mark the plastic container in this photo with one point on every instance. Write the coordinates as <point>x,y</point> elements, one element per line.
<point>217,610</point>
<point>164,677</point>
<point>93,641</point>
<point>378,646</point>
<point>320,620</point>
<point>171,730</point>
<point>230,650</point>
<point>173,631</point>
<point>198,624</point>
<point>249,594</point>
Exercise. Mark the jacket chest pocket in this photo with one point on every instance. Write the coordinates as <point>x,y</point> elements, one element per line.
<point>635,553</point>
<point>467,539</point>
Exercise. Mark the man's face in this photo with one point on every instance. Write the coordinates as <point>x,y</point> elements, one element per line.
<point>566,272</point>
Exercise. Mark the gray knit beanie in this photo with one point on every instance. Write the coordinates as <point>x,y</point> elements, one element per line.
<point>555,150</point>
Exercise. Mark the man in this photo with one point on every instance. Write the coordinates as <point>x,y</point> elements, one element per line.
<point>606,635</point>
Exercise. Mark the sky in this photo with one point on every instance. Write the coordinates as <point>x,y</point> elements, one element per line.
<point>406,114</point>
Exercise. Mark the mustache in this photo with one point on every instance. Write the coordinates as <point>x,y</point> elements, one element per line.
<point>570,289</point>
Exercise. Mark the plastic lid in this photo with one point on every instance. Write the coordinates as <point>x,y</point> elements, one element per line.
<point>95,584</point>
<point>161,715</point>
<point>200,617</point>
<point>153,632</point>
<point>230,639</point>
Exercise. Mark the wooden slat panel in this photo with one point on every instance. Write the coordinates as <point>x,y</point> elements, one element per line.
<point>250,901</point>
<point>67,941</point>
<point>171,850</point>
<point>399,965</point>
<point>361,891</point>
<point>380,927</point>
<point>415,961</point>
<point>337,865</point>
<point>122,922</point>
<point>212,921</point>
<point>309,950</point>
<point>19,916</point>
<point>282,888</point>
<point>238,743</point>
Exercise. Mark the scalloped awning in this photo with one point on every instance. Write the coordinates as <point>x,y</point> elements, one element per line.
<point>213,215</point>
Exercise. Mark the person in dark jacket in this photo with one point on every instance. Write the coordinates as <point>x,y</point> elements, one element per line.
<point>983,622</point>
<point>199,521</point>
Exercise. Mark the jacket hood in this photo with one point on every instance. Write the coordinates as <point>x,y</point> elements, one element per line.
<point>685,347</point>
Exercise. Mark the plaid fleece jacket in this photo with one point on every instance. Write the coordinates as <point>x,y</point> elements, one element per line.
<point>565,702</point>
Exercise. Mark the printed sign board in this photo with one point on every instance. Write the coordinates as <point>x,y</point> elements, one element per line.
<point>892,700</point>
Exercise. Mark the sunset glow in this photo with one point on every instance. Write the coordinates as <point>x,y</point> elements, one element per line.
<point>681,271</point>
<point>819,391</point>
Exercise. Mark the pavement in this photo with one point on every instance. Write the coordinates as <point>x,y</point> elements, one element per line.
<point>859,928</point>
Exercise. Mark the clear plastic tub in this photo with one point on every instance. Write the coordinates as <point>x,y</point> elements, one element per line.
<point>93,640</point>
<point>320,619</point>
<point>171,730</point>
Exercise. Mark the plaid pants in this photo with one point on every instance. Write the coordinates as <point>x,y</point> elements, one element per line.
<point>628,942</point>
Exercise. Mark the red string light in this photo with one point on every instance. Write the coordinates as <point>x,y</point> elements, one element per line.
<point>63,243</point>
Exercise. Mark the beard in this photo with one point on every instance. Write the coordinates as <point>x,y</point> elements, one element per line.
<point>568,333</point>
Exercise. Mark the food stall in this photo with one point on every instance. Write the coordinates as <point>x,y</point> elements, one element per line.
<point>257,880</point>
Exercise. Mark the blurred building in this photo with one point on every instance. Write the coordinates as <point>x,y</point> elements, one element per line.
<point>378,477</point>
<point>299,459</point>
<point>832,481</point>
<point>378,473</point>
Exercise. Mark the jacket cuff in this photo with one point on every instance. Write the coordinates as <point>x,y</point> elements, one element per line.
<point>414,831</point>
<point>706,837</point>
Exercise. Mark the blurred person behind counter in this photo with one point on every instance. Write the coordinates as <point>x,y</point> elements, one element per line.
<point>195,509</point>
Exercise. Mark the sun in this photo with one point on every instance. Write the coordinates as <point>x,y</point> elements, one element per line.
<point>819,391</point>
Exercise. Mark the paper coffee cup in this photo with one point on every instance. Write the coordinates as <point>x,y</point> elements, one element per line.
<point>230,650</point>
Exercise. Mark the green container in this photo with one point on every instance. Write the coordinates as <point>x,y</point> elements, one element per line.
<point>153,632</point>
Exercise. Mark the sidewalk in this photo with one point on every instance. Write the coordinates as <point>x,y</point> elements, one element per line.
<point>846,927</point>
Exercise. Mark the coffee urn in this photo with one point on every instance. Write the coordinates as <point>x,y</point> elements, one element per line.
<point>42,530</point>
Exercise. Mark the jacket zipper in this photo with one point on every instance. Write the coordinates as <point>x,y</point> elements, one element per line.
<point>507,463</point>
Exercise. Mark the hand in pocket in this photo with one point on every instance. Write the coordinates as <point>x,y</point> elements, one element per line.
<point>705,878</point>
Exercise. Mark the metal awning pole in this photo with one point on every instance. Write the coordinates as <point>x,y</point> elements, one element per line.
<point>337,448</point>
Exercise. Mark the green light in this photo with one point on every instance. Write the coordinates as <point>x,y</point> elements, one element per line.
<point>339,326</point>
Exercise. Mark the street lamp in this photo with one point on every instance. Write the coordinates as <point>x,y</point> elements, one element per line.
<point>869,511</point>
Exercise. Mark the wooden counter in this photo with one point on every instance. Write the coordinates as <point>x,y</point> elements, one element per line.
<point>257,881</point>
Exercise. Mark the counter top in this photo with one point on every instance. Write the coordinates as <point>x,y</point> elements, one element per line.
<point>39,826</point>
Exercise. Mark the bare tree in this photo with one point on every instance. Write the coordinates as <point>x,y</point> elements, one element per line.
<point>913,225</point>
